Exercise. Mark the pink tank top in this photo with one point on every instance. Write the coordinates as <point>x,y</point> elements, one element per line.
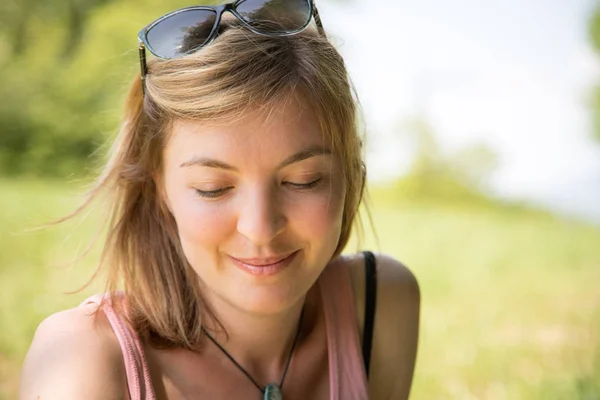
<point>347,375</point>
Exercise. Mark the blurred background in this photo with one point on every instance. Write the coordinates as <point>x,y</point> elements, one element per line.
<point>483,148</point>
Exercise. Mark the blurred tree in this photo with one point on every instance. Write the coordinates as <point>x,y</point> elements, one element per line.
<point>457,178</point>
<point>17,17</point>
<point>64,67</point>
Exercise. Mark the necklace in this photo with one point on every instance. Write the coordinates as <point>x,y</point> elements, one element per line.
<point>272,391</point>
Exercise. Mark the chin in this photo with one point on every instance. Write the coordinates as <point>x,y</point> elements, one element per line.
<point>270,300</point>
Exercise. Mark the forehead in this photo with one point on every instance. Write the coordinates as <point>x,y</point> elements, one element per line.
<point>256,136</point>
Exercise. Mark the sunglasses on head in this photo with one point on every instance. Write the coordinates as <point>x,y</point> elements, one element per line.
<point>186,30</point>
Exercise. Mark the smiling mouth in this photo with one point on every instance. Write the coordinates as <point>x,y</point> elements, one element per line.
<point>265,266</point>
<point>266,261</point>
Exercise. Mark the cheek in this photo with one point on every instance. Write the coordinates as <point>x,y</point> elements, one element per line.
<point>202,226</point>
<point>319,218</point>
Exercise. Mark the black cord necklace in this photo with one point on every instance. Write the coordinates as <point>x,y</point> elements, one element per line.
<point>272,391</point>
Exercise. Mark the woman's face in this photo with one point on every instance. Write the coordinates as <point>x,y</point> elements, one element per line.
<point>258,205</point>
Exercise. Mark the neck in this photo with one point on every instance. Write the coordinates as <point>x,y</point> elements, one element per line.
<point>261,344</point>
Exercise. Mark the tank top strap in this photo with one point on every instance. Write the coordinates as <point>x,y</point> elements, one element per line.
<point>348,379</point>
<point>136,367</point>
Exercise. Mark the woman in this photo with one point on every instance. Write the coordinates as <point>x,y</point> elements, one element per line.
<point>231,190</point>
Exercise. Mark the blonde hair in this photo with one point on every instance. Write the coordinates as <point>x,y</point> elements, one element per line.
<point>239,71</point>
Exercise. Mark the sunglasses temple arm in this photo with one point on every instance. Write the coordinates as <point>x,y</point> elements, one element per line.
<point>318,21</point>
<point>143,66</point>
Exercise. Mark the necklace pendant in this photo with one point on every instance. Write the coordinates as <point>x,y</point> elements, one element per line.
<point>272,392</point>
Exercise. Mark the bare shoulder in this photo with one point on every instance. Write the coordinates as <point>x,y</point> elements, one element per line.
<point>396,327</point>
<point>397,281</point>
<point>74,355</point>
<point>398,288</point>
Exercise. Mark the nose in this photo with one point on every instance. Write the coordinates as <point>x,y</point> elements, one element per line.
<point>262,217</point>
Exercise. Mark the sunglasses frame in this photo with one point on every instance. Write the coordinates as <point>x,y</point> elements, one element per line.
<point>218,10</point>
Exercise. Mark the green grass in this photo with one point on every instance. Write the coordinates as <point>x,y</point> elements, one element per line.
<point>510,297</point>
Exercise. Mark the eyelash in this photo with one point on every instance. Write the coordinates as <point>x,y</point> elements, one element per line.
<point>213,194</point>
<point>305,186</point>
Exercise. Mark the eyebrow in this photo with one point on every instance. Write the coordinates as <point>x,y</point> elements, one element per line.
<point>300,156</point>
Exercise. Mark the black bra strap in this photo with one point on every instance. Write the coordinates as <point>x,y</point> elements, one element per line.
<point>370,303</point>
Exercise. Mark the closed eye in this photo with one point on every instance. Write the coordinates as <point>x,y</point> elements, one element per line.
<point>305,186</point>
<point>213,194</point>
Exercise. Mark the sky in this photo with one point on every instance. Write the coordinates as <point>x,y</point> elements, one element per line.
<point>514,75</point>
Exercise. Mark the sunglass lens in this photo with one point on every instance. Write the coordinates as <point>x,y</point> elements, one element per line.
<point>275,16</point>
<point>181,33</point>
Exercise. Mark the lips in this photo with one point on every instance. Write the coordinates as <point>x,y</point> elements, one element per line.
<point>265,266</point>
<point>263,262</point>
